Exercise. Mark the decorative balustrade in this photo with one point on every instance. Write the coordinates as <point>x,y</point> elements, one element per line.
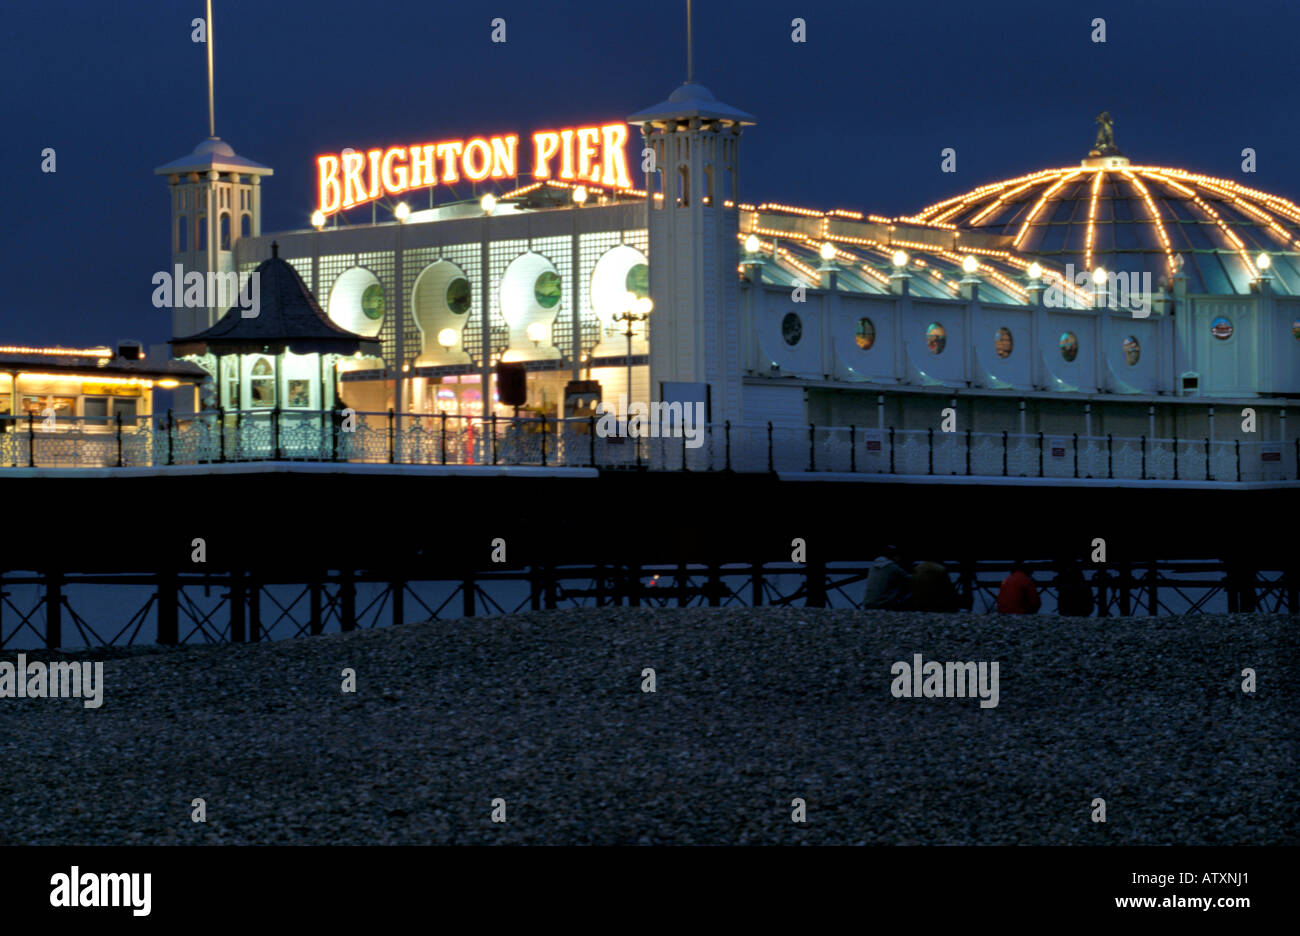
<point>378,438</point>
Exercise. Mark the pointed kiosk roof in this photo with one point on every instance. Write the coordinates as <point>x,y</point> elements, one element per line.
<point>213,153</point>
<point>289,318</point>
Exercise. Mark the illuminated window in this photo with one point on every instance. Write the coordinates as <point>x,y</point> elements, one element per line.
<point>1002,343</point>
<point>261,384</point>
<point>1132,350</point>
<point>935,338</point>
<point>708,183</point>
<point>1069,346</point>
<point>791,328</point>
<point>1221,328</point>
<point>126,411</point>
<point>95,411</point>
<point>458,295</point>
<point>547,290</point>
<point>638,280</point>
<point>866,336</point>
<point>299,393</point>
<point>372,302</point>
<point>1295,329</point>
<point>683,185</point>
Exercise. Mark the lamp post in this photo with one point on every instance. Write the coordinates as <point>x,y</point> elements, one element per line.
<point>638,310</point>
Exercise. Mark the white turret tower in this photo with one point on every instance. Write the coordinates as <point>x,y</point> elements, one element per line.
<point>694,328</point>
<point>216,199</point>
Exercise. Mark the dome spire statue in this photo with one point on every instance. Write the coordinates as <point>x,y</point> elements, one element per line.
<point>1105,145</point>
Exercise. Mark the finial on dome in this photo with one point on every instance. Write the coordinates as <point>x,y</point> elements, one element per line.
<point>1104,152</point>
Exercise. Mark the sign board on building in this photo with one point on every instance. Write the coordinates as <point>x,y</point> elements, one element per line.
<point>95,389</point>
<point>580,154</point>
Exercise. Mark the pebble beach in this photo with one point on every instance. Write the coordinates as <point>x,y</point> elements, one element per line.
<point>752,709</point>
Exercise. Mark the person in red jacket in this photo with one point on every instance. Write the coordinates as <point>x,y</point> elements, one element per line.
<point>1018,594</point>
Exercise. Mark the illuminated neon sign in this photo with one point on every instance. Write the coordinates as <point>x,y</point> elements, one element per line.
<point>579,154</point>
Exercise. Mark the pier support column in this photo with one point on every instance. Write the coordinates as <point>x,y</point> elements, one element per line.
<point>467,592</point>
<point>534,589</point>
<point>254,611</point>
<point>634,585</point>
<point>347,600</point>
<point>815,584</point>
<point>549,587</point>
<point>317,611</point>
<point>1125,590</point>
<point>53,610</point>
<point>236,606</point>
<point>168,609</point>
<point>398,590</point>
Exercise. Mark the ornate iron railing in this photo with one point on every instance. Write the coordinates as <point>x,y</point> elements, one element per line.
<point>216,437</point>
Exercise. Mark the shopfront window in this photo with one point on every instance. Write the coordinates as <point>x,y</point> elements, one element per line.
<point>126,411</point>
<point>95,411</point>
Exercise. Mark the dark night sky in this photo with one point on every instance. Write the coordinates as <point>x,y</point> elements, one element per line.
<point>854,118</point>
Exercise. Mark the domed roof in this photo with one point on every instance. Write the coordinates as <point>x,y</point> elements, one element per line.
<point>211,154</point>
<point>1136,219</point>
<point>691,100</point>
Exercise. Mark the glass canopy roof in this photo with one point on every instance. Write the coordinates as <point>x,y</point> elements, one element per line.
<point>1136,219</point>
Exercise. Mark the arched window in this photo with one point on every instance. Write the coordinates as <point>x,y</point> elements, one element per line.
<point>683,186</point>
<point>246,225</point>
<point>182,234</point>
<point>708,183</point>
<point>261,383</point>
<point>203,232</point>
<point>657,189</point>
<point>225,230</point>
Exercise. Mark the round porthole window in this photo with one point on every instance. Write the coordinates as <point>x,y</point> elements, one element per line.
<point>1221,328</point>
<point>791,328</point>
<point>935,338</point>
<point>547,290</point>
<point>372,302</point>
<point>458,295</point>
<point>1132,350</point>
<point>638,281</point>
<point>1069,346</point>
<point>866,334</point>
<point>1002,343</point>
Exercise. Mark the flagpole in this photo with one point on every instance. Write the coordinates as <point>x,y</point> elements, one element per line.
<point>212,114</point>
<point>690,46</point>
